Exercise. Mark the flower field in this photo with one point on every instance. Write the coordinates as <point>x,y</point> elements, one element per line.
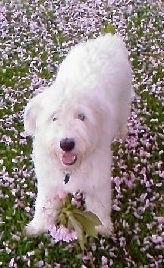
<point>35,36</point>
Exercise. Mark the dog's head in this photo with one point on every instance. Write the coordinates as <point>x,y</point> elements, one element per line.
<point>67,128</point>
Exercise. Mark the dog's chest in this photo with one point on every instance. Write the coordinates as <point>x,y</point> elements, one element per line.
<point>72,182</point>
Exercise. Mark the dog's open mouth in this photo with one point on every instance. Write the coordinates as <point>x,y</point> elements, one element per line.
<point>69,158</point>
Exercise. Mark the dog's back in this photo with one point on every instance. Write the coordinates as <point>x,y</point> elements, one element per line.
<point>97,61</point>
<point>100,68</point>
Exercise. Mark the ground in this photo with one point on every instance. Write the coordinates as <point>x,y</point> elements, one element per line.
<point>35,37</point>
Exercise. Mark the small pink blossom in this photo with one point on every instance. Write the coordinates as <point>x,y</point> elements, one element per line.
<point>62,195</point>
<point>61,233</point>
<point>143,196</point>
<point>156,239</point>
<point>160,219</point>
<point>115,207</point>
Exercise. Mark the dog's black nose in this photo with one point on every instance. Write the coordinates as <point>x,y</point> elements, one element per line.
<point>67,144</point>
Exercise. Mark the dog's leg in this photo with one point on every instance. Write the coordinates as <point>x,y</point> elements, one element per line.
<point>46,211</point>
<point>123,130</point>
<point>123,120</point>
<point>101,206</point>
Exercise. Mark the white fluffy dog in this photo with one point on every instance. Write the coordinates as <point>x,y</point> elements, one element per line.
<point>73,124</point>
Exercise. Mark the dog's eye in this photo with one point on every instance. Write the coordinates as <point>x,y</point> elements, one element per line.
<point>54,118</point>
<point>81,116</point>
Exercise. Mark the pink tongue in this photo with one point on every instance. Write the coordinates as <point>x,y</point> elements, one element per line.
<point>69,158</point>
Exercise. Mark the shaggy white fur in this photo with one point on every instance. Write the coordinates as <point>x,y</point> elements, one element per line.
<point>73,124</point>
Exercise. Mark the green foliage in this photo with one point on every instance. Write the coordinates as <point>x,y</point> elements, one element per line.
<point>83,222</point>
<point>108,28</point>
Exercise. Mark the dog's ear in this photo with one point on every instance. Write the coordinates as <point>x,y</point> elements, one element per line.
<point>30,114</point>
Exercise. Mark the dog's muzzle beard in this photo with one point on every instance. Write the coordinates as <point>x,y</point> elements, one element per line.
<point>69,157</point>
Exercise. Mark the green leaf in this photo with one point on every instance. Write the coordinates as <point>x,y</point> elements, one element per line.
<point>108,28</point>
<point>88,226</point>
<point>78,229</point>
<point>89,215</point>
<point>63,219</point>
<point>67,201</point>
<point>88,220</point>
<point>83,222</point>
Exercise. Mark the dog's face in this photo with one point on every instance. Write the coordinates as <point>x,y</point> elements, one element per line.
<point>66,128</point>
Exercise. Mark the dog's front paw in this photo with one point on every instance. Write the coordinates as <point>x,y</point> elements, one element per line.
<point>33,228</point>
